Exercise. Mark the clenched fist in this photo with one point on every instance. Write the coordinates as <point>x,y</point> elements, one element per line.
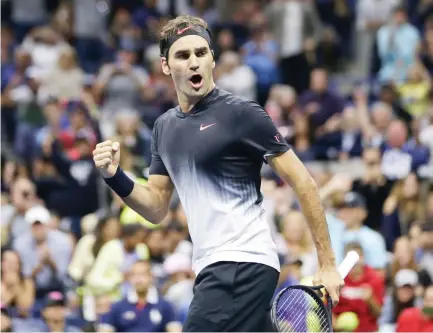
<point>106,156</point>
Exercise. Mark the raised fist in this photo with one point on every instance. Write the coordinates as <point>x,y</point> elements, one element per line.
<point>106,157</point>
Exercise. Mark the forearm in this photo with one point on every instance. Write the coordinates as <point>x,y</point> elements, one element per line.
<point>314,213</point>
<point>148,203</point>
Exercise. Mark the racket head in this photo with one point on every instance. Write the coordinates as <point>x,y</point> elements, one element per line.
<point>300,309</point>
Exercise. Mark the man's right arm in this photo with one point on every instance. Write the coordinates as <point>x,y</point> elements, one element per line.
<point>150,200</point>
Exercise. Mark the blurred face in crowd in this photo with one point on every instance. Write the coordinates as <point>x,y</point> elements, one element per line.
<point>415,73</point>
<point>428,302</point>
<point>67,60</point>
<point>319,81</point>
<point>10,262</point>
<point>39,231</point>
<point>294,227</point>
<point>130,242</point>
<point>225,40</point>
<point>381,117</point>
<point>156,243</point>
<point>78,118</point>
<point>352,216</point>
<point>190,63</point>
<point>400,17</point>
<point>372,161</point>
<point>111,229</point>
<point>141,276</point>
<point>397,134</point>
<point>387,95</point>
<point>102,304</point>
<point>55,317</point>
<point>350,120</point>
<point>127,124</point>
<point>23,194</point>
<point>405,294</point>
<point>403,252</point>
<point>127,56</point>
<point>426,240</point>
<point>53,113</point>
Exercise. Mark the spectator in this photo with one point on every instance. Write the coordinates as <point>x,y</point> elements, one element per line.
<point>299,242</point>
<point>401,209</point>
<point>418,319</point>
<point>397,45</point>
<point>370,16</point>
<point>322,106</point>
<point>205,10</point>
<point>296,27</point>
<point>54,315</point>
<point>373,186</point>
<point>45,253</point>
<point>120,85</point>
<point>362,293</point>
<point>402,296</point>
<point>261,54</point>
<point>143,310</point>
<point>178,289</point>
<point>23,197</point>
<point>114,259</point>
<point>425,255</point>
<point>353,213</point>
<point>235,77</point>
<point>17,289</point>
<point>65,80</point>
<point>225,41</point>
<point>89,246</point>
<point>413,92</point>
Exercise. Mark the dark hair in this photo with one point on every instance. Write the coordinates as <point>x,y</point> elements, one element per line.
<point>131,229</point>
<point>179,22</point>
<point>99,242</point>
<point>353,246</point>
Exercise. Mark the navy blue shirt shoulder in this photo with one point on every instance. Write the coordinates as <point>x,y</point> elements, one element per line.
<point>223,133</point>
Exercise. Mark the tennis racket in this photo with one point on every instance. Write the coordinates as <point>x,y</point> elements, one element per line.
<point>300,309</point>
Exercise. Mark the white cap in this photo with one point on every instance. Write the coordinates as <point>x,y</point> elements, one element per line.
<point>405,277</point>
<point>176,263</point>
<point>38,214</point>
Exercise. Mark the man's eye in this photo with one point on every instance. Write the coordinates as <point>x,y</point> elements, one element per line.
<point>201,53</point>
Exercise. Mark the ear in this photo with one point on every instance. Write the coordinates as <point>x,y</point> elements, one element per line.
<point>213,64</point>
<point>165,67</point>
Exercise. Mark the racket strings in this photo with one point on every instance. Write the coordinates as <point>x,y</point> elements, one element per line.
<point>298,311</point>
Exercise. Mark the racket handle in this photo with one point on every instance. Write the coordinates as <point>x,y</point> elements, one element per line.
<point>346,266</point>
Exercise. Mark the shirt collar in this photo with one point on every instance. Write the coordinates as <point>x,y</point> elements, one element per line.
<point>200,105</point>
<point>152,296</point>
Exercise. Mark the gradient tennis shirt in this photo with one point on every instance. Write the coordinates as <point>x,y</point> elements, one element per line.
<point>214,155</point>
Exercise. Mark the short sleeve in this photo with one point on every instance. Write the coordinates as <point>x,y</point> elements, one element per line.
<point>259,133</point>
<point>157,166</point>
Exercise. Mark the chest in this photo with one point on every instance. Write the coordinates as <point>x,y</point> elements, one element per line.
<point>135,319</point>
<point>198,141</point>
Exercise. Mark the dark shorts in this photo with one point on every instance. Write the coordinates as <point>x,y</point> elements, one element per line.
<point>231,296</point>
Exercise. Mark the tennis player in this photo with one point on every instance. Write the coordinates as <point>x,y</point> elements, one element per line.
<point>211,148</point>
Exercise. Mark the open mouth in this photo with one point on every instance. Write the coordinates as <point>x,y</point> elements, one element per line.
<point>196,81</point>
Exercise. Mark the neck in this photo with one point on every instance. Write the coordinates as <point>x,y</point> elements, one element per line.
<point>142,296</point>
<point>353,227</point>
<point>57,328</point>
<point>187,103</point>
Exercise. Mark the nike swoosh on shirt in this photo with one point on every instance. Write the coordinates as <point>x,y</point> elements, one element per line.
<point>207,126</point>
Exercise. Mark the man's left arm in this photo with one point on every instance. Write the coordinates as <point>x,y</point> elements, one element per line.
<point>261,136</point>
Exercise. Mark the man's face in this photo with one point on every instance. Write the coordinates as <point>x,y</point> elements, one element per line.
<point>351,216</point>
<point>372,161</point>
<point>319,80</point>
<point>23,194</point>
<point>400,17</point>
<point>39,231</point>
<point>141,277</point>
<point>190,63</point>
<point>54,317</point>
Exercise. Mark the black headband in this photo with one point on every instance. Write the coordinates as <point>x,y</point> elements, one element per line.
<point>197,30</point>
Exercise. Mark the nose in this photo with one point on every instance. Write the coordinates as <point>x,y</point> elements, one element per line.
<point>193,64</point>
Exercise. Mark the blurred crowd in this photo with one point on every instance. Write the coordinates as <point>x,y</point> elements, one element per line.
<point>347,82</point>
